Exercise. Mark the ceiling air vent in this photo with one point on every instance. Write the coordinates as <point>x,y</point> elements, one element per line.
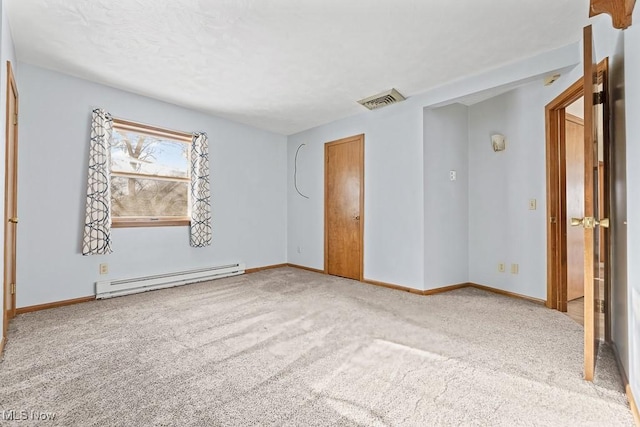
<point>382,99</point>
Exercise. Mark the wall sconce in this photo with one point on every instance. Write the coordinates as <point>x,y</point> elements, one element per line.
<point>498,142</point>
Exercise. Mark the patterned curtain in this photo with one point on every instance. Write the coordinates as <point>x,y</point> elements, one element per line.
<point>97,227</point>
<point>200,194</point>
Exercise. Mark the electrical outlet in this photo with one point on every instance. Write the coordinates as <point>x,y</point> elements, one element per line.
<point>104,268</point>
<point>501,267</point>
<point>452,175</point>
<point>533,204</point>
<point>514,268</point>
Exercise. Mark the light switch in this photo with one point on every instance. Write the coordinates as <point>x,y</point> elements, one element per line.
<point>533,204</point>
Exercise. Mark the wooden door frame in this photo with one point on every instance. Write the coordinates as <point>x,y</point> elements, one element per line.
<point>11,88</point>
<point>359,138</point>
<point>556,192</point>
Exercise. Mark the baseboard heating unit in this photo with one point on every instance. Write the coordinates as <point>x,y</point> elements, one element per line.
<point>116,288</point>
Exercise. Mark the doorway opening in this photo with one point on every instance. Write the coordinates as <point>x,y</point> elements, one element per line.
<point>344,208</point>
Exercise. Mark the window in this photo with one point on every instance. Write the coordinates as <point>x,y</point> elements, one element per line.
<point>150,176</point>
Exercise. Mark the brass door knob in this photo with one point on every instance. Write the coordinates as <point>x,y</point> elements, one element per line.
<point>577,222</point>
<point>356,218</point>
<point>13,220</point>
<point>589,222</point>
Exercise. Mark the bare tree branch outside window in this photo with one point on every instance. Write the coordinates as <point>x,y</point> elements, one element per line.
<point>150,176</point>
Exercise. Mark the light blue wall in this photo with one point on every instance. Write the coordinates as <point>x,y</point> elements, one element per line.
<point>446,202</point>
<point>632,91</point>
<point>393,194</point>
<point>248,193</point>
<point>395,184</point>
<point>502,228</point>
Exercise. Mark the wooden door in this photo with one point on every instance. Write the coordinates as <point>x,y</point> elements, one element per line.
<point>344,207</point>
<point>595,93</point>
<point>574,149</point>
<point>10,200</point>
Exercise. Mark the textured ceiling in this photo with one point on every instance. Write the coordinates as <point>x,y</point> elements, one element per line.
<point>285,65</point>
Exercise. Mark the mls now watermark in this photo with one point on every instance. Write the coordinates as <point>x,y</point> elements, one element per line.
<point>25,415</point>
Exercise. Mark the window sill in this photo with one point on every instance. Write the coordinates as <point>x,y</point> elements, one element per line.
<point>147,222</point>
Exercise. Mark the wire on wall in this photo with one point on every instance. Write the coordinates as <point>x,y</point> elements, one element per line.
<point>295,172</point>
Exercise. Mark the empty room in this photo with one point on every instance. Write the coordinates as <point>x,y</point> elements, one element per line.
<point>356,213</point>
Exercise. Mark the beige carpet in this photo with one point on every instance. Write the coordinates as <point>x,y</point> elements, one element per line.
<point>290,347</point>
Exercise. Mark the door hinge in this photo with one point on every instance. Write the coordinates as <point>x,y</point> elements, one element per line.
<point>15,119</point>
<point>599,98</point>
<point>600,306</point>
<point>13,289</point>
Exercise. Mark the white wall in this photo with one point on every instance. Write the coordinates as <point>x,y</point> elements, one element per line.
<point>446,202</point>
<point>394,174</point>
<point>247,184</point>
<point>393,194</point>
<point>7,53</point>
<point>632,93</point>
<point>502,228</point>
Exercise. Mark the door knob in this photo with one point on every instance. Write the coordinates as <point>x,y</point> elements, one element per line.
<point>589,222</point>
<point>356,218</point>
<point>576,222</point>
<point>13,220</point>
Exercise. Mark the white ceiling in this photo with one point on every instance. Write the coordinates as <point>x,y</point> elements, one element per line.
<point>285,65</point>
